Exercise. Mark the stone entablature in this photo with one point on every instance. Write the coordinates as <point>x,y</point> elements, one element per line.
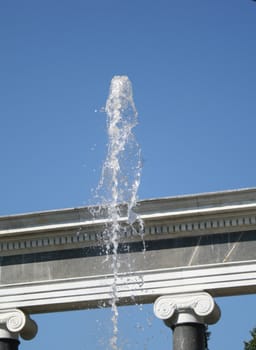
<point>55,260</point>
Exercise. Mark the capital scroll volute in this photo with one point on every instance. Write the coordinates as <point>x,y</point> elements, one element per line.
<point>197,307</point>
<point>17,322</point>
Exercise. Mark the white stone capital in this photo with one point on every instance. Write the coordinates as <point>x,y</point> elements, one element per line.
<point>197,307</point>
<point>14,322</point>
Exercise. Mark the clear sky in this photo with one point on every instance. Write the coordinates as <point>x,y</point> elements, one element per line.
<point>192,65</point>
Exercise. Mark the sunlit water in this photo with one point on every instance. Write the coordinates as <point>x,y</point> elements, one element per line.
<point>120,177</point>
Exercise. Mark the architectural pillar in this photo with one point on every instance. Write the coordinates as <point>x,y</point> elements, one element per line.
<point>15,323</point>
<point>187,315</point>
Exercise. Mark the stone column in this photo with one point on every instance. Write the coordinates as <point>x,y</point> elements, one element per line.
<point>15,323</point>
<point>187,315</point>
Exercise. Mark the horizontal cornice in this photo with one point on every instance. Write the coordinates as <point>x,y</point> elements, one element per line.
<point>203,213</point>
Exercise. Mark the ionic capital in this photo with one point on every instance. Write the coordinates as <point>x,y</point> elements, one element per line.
<point>14,322</point>
<point>187,308</point>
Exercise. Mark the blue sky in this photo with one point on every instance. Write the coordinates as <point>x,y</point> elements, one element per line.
<point>192,65</point>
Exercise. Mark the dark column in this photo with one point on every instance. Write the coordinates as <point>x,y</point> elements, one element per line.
<point>187,314</point>
<point>189,336</point>
<point>9,344</point>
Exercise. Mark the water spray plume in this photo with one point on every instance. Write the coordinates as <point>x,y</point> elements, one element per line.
<point>120,176</point>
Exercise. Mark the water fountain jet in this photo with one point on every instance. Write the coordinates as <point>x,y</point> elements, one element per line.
<point>195,243</point>
<point>120,175</point>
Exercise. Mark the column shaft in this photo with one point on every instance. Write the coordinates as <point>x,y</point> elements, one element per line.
<point>188,336</point>
<point>9,344</point>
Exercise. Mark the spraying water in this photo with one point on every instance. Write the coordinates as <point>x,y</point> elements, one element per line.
<point>120,176</point>
<point>122,168</point>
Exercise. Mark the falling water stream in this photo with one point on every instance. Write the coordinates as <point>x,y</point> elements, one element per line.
<point>120,176</point>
